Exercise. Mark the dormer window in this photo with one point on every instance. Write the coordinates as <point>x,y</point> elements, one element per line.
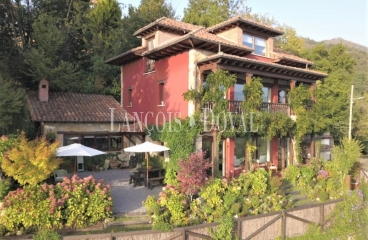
<point>150,64</point>
<point>257,43</point>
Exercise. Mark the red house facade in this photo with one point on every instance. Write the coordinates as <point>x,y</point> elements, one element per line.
<point>176,56</point>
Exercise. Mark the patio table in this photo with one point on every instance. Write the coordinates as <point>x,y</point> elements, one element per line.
<point>154,174</point>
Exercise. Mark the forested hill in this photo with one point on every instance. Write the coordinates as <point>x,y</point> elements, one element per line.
<point>358,52</point>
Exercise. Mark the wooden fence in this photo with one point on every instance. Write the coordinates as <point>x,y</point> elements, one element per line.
<point>286,223</point>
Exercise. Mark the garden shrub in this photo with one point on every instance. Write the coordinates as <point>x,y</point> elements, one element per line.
<point>5,187</point>
<point>292,173</point>
<point>31,162</point>
<point>46,234</point>
<point>73,203</point>
<point>216,199</point>
<point>224,231</point>
<point>192,174</point>
<point>348,220</point>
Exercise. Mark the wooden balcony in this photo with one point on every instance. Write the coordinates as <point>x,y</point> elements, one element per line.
<point>236,108</point>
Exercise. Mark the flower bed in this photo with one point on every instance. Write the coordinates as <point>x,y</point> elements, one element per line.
<point>73,203</point>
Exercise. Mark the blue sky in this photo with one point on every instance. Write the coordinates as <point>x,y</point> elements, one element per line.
<point>315,19</point>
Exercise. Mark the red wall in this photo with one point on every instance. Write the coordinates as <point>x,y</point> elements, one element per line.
<point>145,89</point>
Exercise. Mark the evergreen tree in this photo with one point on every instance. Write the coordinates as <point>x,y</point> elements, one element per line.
<point>210,12</point>
<point>332,94</point>
<point>148,11</point>
<point>13,111</point>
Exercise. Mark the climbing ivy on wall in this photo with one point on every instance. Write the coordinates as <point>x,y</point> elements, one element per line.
<point>179,136</point>
<point>181,133</point>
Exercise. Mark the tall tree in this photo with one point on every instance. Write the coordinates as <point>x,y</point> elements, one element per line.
<point>137,17</point>
<point>210,12</point>
<point>13,111</point>
<point>104,37</point>
<point>289,42</point>
<point>332,93</point>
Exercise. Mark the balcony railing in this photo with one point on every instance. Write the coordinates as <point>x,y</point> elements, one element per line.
<point>236,107</point>
<point>276,108</point>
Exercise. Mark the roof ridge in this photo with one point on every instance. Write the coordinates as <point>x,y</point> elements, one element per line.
<point>239,17</point>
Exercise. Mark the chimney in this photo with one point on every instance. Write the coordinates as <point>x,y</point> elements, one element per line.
<point>43,91</point>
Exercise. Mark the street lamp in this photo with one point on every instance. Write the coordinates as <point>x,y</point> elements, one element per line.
<point>351,108</point>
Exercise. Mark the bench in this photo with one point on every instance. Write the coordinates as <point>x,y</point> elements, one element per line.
<point>136,179</point>
<point>154,181</point>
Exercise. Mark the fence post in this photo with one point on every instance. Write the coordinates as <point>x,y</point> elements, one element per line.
<point>322,215</point>
<point>283,225</point>
<point>239,225</point>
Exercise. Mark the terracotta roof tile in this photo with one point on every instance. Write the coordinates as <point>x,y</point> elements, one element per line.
<point>283,55</point>
<point>167,22</point>
<point>74,107</point>
<point>245,20</point>
<point>263,63</point>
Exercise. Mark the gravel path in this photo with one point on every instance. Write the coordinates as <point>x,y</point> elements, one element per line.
<point>126,198</point>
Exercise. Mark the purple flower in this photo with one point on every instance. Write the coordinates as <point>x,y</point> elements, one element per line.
<point>323,173</point>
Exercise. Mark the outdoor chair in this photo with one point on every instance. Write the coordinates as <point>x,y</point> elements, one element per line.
<point>59,175</point>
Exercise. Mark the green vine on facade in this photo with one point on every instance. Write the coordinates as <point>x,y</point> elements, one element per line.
<point>179,136</point>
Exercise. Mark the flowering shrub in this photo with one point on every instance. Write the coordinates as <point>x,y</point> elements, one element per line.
<point>192,174</point>
<point>72,203</point>
<point>170,210</point>
<point>320,182</point>
<point>217,199</point>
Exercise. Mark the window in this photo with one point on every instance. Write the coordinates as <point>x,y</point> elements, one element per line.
<point>262,151</point>
<point>105,142</point>
<point>257,43</point>
<point>161,93</point>
<point>238,92</point>
<point>115,142</point>
<point>130,94</point>
<point>266,94</point>
<point>239,152</point>
<point>150,64</point>
<point>102,142</point>
<point>150,43</point>
<point>283,96</point>
<point>89,141</point>
<point>70,140</point>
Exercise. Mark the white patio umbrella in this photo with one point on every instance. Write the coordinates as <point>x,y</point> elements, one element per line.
<point>77,150</point>
<point>147,147</point>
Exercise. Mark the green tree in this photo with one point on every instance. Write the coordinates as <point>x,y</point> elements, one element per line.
<point>13,111</point>
<point>105,40</point>
<point>289,42</point>
<point>210,12</point>
<point>148,11</point>
<point>31,162</point>
<point>332,93</point>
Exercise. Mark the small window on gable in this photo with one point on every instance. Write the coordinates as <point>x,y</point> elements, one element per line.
<point>150,63</point>
<point>248,40</point>
<point>161,93</point>
<point>150,43</point>
<point>258,44</point>
<point>130,95</point>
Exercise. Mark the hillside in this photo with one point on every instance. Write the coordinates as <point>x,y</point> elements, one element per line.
<point>347,43</point>
<point>358,52</point>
